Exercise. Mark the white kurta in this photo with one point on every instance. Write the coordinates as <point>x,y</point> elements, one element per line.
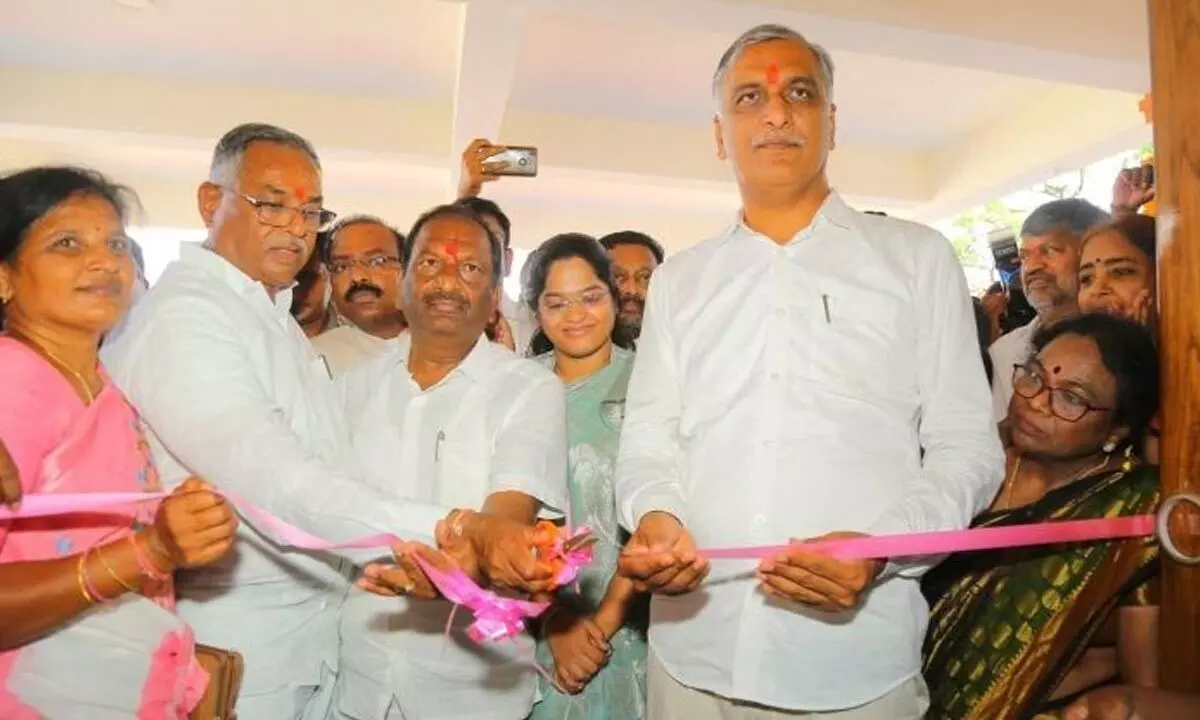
<point>1009,350</point>
<point>233,392</point>
<point>786,392</point>
<point>348,345</point>
<point>497,422</point>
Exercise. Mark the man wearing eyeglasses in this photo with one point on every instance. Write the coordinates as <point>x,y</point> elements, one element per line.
<point>233,391</point>
<point>362,257</point>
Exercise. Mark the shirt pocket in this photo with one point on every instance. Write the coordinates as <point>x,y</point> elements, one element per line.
<point>463,468</point>
<point>858,342</point>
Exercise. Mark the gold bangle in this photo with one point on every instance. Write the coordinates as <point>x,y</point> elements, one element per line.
<point>112,574</point>
<point>79,570</point>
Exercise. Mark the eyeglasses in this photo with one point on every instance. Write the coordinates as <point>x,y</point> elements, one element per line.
<point>559,304</point>
<point>342,266</point>
<point>279,215</point>
<point>1028,382</point>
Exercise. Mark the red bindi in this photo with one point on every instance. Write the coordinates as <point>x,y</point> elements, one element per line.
<point>773,74</point>
<point>298,193</point>
<point>452,250</point>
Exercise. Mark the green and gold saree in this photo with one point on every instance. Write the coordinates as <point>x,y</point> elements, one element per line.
<point>1007,626</point>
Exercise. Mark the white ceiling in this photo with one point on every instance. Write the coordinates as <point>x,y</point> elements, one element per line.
<point>616,92</point>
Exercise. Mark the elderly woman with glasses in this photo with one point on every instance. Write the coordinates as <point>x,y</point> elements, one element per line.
<point>1014,633</point>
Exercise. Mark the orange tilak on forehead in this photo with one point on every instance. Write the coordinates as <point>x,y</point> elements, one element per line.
<point>452,250</point>
<point>773,74</point>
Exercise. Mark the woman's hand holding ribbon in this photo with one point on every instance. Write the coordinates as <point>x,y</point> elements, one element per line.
<point>661,556</point>
<point>816,579</point>
<point>579,647</point>
<point>193,527</point>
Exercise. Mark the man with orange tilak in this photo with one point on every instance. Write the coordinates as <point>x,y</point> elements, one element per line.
<point>448,418</point>
<point>811,372</point>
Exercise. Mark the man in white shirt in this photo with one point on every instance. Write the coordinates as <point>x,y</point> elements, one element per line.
<point>448,418</point>
<point>811,370</point>
<point>361,253</point>
<point>233,391</point>
<point>1050,276</point>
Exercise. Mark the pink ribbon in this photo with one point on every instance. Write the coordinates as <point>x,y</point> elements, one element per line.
<point>945,542</point>
<point>49,504</point>
<point>496,617</point>
<point>573,560</point>
<point>499,617</point>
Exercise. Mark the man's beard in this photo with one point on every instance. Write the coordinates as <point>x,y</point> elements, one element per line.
<point>632,324</point>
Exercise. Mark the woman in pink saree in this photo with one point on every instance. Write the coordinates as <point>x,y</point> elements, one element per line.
<point>87,623</point>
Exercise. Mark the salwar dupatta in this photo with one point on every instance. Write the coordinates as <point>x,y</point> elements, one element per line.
<point>129,658</point>
<point>1007,626</point>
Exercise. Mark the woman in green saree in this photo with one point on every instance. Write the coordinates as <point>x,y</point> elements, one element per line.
<point>594,636</point>
<point>1013,633</point>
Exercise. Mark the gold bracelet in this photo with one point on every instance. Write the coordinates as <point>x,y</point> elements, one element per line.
<point>79,570</point>
<point>112,574</point>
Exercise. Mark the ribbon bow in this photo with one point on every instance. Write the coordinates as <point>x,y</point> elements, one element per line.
<point>495,617</point>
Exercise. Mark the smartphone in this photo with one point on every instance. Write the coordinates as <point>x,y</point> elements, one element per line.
<point>1005,254</point>
<point>522,161</point>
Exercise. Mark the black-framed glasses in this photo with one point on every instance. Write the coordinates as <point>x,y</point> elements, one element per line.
<point>345,265</point>
<point>279,215</point>
<point>1028,382</point>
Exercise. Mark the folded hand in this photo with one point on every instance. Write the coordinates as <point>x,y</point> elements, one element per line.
<point>818,580</point>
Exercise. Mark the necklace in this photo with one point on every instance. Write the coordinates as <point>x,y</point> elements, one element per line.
<point>55,360</point>
<point>1011,481</point>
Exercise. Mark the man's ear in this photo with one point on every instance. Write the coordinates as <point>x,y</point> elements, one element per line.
<point>208,201</point>
<point>718,137</point>
<point>832,139</point>
<point>6,284</point>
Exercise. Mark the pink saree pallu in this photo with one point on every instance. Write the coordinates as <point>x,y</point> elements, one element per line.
<point>129,658</point>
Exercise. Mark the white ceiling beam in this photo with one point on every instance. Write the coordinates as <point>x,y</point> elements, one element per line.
<point>869,38</point>
<point>1065,129</point>
<point>489,46</point>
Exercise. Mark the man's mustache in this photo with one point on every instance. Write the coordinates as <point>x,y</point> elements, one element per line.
<point>1038,275</point>
<point>778,139</point>
<point>361,287</point>
<point>446,295</point>
<point>632,299</point>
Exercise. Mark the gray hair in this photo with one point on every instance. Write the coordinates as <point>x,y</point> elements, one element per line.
<point>1072,215</point>
<point>766,33</point>
<point>227,157</point>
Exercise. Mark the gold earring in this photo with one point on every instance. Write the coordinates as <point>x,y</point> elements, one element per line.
<point>1127,463</point>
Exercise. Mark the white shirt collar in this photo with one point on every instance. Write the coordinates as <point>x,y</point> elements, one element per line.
<point>206,259</point>
<point>475,366</point>
<point>834,212</point>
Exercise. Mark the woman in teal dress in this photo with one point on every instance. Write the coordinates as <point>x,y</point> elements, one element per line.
<point>594,637</point>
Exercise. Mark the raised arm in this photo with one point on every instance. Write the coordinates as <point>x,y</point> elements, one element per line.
<point>190,375</point>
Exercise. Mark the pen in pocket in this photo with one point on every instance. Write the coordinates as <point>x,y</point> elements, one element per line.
<point>825,302</point>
